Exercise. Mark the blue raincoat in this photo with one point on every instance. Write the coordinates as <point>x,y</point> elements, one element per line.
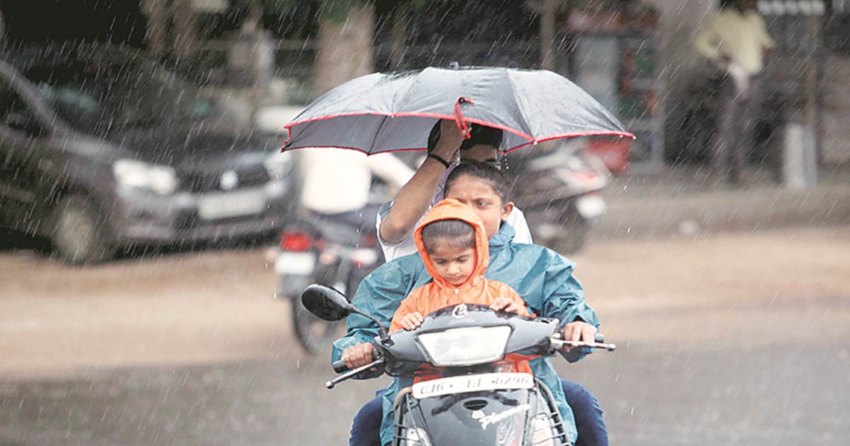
<point>541,276</point>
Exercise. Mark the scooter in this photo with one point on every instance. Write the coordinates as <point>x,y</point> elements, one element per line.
<point>559,187</point>
<point>475,399</point>
<point>317,249</point>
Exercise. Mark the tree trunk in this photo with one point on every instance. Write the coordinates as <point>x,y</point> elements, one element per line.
<point>398,36</point>
<point>547,35</point>
<point>157,26</point>
<point>184,28</point>
<point>345,48</point>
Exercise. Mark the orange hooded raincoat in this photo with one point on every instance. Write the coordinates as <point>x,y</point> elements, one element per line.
<point>475,290</point>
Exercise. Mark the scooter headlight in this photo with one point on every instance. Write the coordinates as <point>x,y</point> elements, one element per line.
<point>465,346</point>
<point>542,431</point>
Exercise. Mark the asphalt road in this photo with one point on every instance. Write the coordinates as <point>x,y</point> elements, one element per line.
<point>734,338</point>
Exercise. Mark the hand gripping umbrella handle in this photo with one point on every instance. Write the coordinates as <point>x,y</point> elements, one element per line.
<point>460,121</point>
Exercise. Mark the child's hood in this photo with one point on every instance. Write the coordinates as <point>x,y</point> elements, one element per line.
<point>451,209</point>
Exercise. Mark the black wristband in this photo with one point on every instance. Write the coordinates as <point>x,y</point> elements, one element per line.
<point>440,160</point>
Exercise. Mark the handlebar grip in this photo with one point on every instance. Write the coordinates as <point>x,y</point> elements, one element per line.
<point>599,338</point>
<point>339,366</point>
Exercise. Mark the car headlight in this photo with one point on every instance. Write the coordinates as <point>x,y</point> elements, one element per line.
<point>159,179</point>
<point>278,165</point>
<point>465,346</point>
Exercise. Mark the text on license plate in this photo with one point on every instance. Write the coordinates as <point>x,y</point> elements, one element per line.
<point>472,383</point>
<point>233,204</point>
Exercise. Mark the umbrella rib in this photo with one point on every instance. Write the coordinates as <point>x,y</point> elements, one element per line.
<point>526,125</point>
<point>384,121</point>
<point>402,97</point>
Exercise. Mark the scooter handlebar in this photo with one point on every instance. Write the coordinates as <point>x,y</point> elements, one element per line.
<point>599,338</point>
<point>598,342</point>
<point>339,366</point>
<point>351,373</point>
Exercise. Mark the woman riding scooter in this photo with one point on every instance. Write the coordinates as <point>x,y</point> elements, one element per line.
<point>541,276</point>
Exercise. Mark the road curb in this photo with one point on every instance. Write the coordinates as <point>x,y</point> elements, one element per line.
<point>667,205</point>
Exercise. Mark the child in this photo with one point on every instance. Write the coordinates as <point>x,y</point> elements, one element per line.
<point>453,243</point>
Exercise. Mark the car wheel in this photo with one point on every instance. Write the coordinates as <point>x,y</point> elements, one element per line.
<point>79,234</point>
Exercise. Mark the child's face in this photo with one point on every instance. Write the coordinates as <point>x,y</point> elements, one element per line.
<point>479,195</point>
<point>454,264</point>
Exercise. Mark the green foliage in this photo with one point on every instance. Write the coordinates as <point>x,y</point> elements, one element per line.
<point>337,10</point>
<point>427,3</point>
<point>278,6</point>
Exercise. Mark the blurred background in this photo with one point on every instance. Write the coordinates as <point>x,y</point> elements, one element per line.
<point>151,232</point>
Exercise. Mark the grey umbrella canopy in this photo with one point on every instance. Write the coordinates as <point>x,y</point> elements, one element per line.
<point>385,112</point>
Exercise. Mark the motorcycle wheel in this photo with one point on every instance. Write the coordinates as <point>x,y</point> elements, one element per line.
<point>314,334</point>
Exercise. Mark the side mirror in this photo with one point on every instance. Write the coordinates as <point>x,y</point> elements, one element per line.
<point>326,303</point>
<point>331,305</point>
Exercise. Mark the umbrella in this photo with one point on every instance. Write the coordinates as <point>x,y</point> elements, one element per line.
<point>384,112</point>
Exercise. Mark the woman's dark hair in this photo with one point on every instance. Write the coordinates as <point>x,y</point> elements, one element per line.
<point>457,233</point>
<point>482,135</point>
<point>479,134</point>
<point>486,172</point>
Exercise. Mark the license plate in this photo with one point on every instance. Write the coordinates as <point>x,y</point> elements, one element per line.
<point>295,263</point>
<point>235,204</point>
<point>472,383</point>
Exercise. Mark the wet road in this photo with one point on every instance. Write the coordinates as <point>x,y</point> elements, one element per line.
<point>727,338</point>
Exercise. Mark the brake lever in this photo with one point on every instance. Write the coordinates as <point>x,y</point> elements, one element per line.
<point>349,374</point>
<point>561,344</point>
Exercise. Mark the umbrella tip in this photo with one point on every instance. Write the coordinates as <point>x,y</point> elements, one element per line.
<point>454,65</point>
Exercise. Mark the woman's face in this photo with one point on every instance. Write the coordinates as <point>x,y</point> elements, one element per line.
<point>477,194</point>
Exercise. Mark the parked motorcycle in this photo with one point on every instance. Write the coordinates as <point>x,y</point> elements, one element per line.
<point>317,249</point>
<point>558,187</point>
<point>474,400</point>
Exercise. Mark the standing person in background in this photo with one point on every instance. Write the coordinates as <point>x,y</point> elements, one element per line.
<point>735,42</point>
